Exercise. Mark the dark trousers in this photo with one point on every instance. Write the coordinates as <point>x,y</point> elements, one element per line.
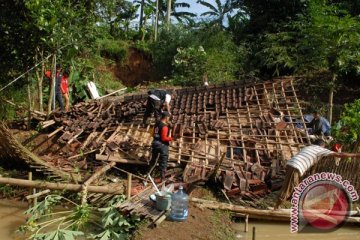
<point>152,106</point>
<point>161,150</point>
<point>58,97</point>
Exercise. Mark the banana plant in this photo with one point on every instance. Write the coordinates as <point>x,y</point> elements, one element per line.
<point>105,223</point>
<point>217,12</point>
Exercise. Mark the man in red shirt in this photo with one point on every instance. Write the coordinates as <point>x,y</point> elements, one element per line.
<point>160,144</point>
<point>64,86</point>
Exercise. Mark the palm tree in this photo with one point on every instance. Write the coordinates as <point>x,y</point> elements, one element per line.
<point>217,12</point>
<point>180,16</point>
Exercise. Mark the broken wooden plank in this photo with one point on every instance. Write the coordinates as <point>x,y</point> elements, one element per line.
<point>100,157</point>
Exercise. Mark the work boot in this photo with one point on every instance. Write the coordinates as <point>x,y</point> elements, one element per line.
<point>163,175</point>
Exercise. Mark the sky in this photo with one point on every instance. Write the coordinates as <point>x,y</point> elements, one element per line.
<point>196,7</point>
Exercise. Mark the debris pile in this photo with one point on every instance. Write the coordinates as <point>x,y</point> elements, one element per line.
<point>237,135</point>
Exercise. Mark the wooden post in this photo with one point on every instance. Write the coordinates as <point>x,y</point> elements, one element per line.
<point>254,231</point>
<point>246,229</point>
<point>128,189</point>
<point>159,220</point>
<point>32,191</point>
<point>51,101</point>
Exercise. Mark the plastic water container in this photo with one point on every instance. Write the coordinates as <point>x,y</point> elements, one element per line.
<point>179,206</point>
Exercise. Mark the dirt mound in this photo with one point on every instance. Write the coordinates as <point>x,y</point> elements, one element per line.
<point>136,69</point>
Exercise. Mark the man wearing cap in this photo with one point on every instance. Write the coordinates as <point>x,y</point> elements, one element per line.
<point>160,144</point>
<point>156,99</point>
<point>301,162</point>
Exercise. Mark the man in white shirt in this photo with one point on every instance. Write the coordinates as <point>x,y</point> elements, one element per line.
<point>156,99</point>
<point>301,162</point>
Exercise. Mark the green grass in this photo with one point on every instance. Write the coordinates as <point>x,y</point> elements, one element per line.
<point>222,220</point>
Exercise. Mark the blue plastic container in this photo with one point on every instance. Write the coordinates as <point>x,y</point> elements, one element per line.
<point>179,206</point>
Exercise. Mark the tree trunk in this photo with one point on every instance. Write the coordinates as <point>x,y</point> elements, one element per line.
<point>141,15</point>
<point>51,101</point>
<point>143,31</point>
<point>156,20</point>
<point>331,98</point>
<point>40,78</point>
<point>168,14</point>
<point>29,99</point>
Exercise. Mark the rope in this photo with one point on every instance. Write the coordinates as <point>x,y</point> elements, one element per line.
<point>13,81</point>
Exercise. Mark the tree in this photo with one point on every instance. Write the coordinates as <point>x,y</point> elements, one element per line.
<point>18,39</point>
<point>180,16</point>
<point>219,12</point>
<point>322,39</point>
<point>330,41</point>
<point>270,15</point>
<point>347,130</point>
<point>189,66</point>
<point>115,14</point>
<point>61,24</point>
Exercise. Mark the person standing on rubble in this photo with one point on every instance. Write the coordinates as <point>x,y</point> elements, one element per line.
<point>160,144</point>
<point>64,87</point>
<point>155,101</point>
<point>301,162</point>
<point>58,79</point>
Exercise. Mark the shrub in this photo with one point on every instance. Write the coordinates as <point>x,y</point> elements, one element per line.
<point>190,65</point>
<point>164,50</point>
<point>113,49</point>
<point>347,129</point>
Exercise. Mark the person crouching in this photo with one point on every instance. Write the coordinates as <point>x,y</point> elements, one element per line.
<point>160,144</point>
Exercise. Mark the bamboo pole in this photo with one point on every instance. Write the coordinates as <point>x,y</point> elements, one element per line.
<point>51,101</point>
<point>246,228</point>
<point>107,95</point>
<point>55,132</point>
<point>93,178</point>
<point>128,186</point>
<point>108,189</point>
<point>36,195</point>
<point>279,215</point>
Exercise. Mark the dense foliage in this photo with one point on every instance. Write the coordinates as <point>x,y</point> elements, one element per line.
<point>347,129</point>
<point>242,39</point>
